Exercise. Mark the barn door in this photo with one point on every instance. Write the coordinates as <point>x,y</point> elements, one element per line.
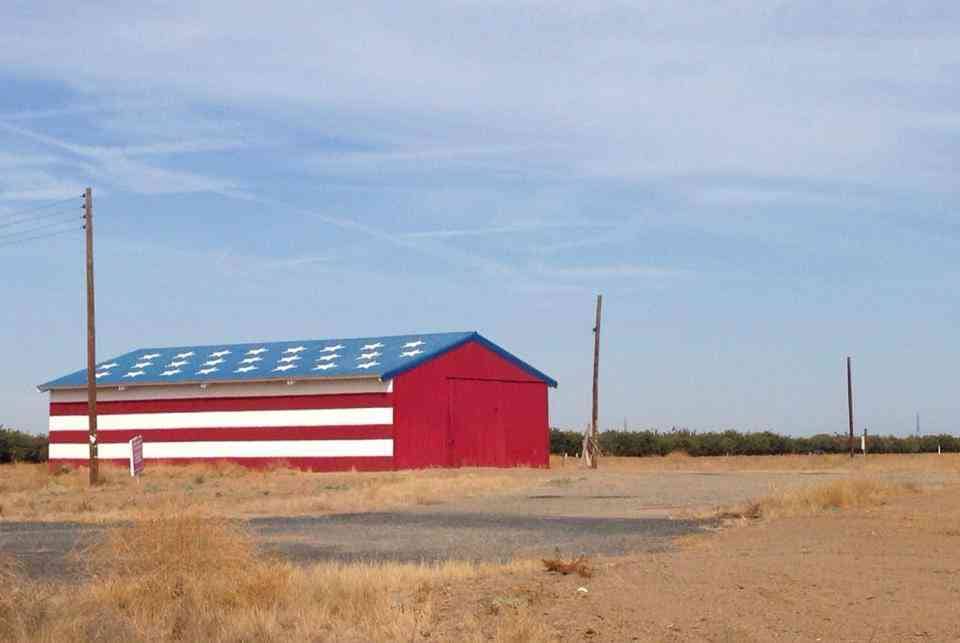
<point>490,423</point>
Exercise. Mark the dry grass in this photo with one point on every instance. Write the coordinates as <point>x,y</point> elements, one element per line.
<point>579,566</point>
<point>948,463</point>
<point>192,579</point>
<point>31,492</point>
<point>814,499</point>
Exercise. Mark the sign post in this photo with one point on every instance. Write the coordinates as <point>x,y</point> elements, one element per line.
<point>136,457</point>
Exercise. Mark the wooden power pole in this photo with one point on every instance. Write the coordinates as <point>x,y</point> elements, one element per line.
<point>594,436</point>
<point>850,404</point>
<point>91,340</point>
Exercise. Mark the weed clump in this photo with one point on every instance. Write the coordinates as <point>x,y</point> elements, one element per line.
<point>835,495</point>
<point>579,566</point>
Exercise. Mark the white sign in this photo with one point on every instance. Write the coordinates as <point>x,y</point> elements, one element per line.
<point>136,456</point>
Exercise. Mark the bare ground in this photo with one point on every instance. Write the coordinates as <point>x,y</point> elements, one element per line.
<point>886,570</point>
<point>888,573</point>
<point>613,511</point>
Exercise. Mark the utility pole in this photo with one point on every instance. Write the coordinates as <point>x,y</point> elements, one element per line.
<point>91,340</point>
<point>850,404</point>
<point>594,438</point>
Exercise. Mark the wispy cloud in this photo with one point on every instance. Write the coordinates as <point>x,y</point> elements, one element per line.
<point>235,265</point>
<point>526,227</point>
<point>766,196</point>
<point>8,160</point>
<point>422,246</point>
<point>115,164</point>
<point>55,112</point>
<point>617,270</point>
<point>610,239</point>
<point>35,184</point>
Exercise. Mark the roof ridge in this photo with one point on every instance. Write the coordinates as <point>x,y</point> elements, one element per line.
<point>302,339</point>
<point>362,356</point>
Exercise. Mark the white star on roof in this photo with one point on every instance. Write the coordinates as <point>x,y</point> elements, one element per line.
<point>214,362</point>
<point>327,358</point>
<point>207,371</point>
<point>150,356</point>
<point>220,353</point>
<point>419,342</point>
<point>134,374</point>
<point>245,369</point>
<point>110,365</point>
<point>290,358</point>
<point>331,349</point>
<point>370,347</point>
<point>285,367</point>
<point>172,371</point>
<point>177,364</point>
<point>295,349</point>
<point>102,374</point>
<point>368,365</point>
<point>251,360</point>
<point>182,355</point>
<point>256,351</point>
<point>323,367</point>
<point>368,356</point>
<point>142,364</point>
<point>410,353</point>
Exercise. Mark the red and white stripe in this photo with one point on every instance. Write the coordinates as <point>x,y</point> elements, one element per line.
<point>323,425</point>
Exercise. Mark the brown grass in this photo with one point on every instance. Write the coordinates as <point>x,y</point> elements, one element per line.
<point>830,496</point>
<point>192,579</point>
<point>948,463</point>
<point>31,492</point>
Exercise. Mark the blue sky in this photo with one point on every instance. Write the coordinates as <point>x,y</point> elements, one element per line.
<point>757,188</point>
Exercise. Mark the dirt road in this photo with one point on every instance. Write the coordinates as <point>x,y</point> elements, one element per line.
<point>44,549</point>
<point>605,513</point>
<point>889,573</point>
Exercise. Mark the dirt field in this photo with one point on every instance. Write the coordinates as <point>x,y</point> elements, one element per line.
<point>886,573</point>
<point>817,548</point>
<point>623,487</point>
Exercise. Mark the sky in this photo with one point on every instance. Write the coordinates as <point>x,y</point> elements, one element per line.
<point>758,188</point>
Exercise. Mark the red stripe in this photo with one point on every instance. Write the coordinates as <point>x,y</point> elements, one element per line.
<point>273,403</point>
<point>370,432</point>
<point>307,464</point>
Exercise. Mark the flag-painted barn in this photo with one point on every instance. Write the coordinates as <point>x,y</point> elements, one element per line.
<point>371,403</point>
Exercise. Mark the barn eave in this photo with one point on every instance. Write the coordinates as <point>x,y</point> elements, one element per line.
<point>43,388</point>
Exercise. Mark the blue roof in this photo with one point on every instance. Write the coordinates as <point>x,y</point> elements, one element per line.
<point>382,357</point>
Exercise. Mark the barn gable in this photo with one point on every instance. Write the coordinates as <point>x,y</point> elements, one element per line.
<point>471,407</point>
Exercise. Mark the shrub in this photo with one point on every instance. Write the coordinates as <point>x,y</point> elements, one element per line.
<point>17,446</point>
<point>730,442</point>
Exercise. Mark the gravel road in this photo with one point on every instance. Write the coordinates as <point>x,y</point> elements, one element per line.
<point>440,535</point>
<point>48,549</point>
<point>607,513</point>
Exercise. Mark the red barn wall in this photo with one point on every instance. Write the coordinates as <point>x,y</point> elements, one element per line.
<point>470,407</point>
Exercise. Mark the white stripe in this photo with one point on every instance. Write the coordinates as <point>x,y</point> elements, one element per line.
<point>232,389</point>
<point>227,419</point>
<point>267,449</point>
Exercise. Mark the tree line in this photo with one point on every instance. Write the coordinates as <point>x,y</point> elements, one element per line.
<point>17,446</point>
<point>649,443</point>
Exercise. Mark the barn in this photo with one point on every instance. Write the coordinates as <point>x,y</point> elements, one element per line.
<point>370,403</point>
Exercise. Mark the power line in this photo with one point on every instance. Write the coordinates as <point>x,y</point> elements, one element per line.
<point>39,236</point>
<point>50,215</point>
<point>38,208</point>
<point>28,231</point>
